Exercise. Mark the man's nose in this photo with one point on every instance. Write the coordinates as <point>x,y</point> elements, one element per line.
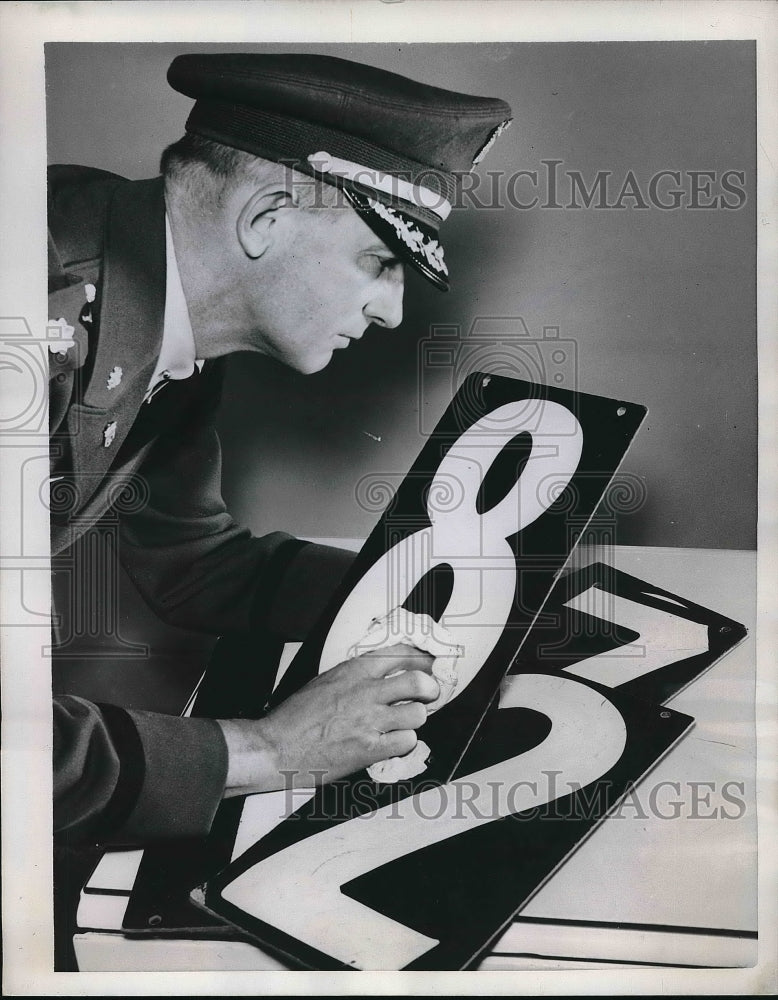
<point>386,306</point>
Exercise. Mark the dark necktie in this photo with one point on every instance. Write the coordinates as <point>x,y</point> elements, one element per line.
<point>164,413</point>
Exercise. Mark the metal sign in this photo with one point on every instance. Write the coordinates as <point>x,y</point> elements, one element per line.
<point>429,879</point>
<point>610,627</point>
<point>475,538</point>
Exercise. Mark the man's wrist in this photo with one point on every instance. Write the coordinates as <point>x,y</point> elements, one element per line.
<point>252,759</point>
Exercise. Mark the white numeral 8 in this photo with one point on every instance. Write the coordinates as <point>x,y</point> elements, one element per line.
<point>474,545</point>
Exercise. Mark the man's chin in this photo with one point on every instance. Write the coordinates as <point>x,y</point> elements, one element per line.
<point>309,366</point>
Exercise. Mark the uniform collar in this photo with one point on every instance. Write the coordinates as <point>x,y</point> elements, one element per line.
<point>177,356</point>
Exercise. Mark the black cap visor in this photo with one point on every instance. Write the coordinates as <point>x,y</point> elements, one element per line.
<point>413,241</point>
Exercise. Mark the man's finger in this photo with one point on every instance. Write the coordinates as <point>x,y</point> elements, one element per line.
<point>398,743</point>
<point>392,659</point>
<point>412,685</point>
<point>410,716</point>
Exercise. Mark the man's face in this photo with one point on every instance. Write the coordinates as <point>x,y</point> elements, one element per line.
<point>331,277</point>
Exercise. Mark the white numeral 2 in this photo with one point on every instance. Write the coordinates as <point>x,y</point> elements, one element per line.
<point>298,890</point>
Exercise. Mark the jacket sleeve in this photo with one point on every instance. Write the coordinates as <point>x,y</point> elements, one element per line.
<point>199,570</point>
<point>128,777</point>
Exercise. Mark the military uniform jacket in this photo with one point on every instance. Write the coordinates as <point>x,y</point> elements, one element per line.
<point>194,566</point>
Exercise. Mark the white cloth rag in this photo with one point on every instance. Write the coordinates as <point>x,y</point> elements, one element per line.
<point>423,632</point>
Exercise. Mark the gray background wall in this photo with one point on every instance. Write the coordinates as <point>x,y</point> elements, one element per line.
<point>654,306</point>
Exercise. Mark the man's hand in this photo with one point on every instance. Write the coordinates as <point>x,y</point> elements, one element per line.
<point>357,713</point>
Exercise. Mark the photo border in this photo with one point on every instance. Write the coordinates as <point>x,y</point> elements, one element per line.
<point>26,694</point>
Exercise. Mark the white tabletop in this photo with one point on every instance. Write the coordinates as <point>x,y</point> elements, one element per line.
<point>691,872</point>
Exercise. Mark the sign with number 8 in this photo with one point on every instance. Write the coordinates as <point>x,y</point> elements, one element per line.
<point>475,537</point>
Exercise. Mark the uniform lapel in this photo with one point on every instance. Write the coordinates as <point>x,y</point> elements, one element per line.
<point>132,305</point>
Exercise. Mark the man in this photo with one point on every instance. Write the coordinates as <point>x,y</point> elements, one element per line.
<point>282,225</point>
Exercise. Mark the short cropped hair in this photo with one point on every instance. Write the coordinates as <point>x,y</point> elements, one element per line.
<point>203,171</point>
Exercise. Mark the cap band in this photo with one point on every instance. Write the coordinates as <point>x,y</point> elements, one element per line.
<point>414,194</point>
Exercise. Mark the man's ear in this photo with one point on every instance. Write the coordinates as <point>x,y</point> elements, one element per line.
<point>258,217</point>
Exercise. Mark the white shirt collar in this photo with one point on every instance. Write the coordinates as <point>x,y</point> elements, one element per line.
<point>177,358</point>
